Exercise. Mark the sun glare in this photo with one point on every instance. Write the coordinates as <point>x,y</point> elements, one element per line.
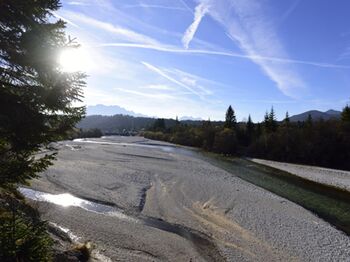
<point>74,59</point>
<point>64,200</point>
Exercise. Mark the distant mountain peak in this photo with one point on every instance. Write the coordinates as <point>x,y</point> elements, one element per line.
<point>191,118</point>
<point>109,110</point>
<point>333,112</point>
<point>316,115</point>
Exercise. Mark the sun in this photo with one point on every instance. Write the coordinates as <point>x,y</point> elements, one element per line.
<point>74,59</point>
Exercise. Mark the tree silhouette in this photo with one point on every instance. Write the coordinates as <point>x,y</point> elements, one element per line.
<point>266,121</point>
<point>287,119</point>
<point>36,98</point>
<point>230,118</point>
<point>345,114</point>
<point>159,124</point>
<point>272,120</point>
<point>36,108</point>
<point>250,125</point>
<point>309,120</point>
<point>316,142</point>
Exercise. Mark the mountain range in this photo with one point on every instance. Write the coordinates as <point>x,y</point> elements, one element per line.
<point>104,110</point>
<point>115,119</point>
<point>316,115</point>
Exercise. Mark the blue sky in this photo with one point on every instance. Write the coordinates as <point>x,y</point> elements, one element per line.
<point>171,58</point>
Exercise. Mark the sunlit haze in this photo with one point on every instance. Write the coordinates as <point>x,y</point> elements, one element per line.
<point>75,59</point>
<point>170,58</point>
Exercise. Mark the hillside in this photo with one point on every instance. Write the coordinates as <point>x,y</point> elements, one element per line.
<point>105,110</point>
<point>316,115</point>
<point>120,123</point>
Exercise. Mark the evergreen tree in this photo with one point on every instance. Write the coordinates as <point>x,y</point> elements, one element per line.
<point>208,134</point>
<point>249,131</point>
<point>309,121</point>
<point>272,120</point>
<point>266,121</point>
<point>177,123</point>
<point>250,126</point>
<point>258,130</point>
<point>36,98</point>
<point>287,119</point>
<point>36,108</point>
<point>159,124</point>
<point>230,118</point>
<point>345,115</point>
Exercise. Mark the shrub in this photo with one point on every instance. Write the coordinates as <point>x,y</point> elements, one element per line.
<point>23,236</point>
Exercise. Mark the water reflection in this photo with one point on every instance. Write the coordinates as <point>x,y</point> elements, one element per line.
<point>64,200</point>
<point>68,200</point>
<point>202,243</point>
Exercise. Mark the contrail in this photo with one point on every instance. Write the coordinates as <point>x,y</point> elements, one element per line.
<point>223,53</point>
<point>199,13</point>
<point>155,6</point>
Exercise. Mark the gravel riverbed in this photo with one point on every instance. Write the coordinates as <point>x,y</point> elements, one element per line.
<point>241,221</point>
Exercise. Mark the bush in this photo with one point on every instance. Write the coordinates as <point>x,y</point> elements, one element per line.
<point>225,141</point>
<point>87,133</point>
<point>23,236</point>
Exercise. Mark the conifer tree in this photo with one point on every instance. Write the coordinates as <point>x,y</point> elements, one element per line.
<point>309,120</point>
<point>345,115</point>
<point>36,97</point>
<point>287,119</point>
<point>266,120</point>
<point>272,120</point>
<point>230,118</point>
<point>159,124</point>
<point>250,125</point>
<point>249,130</point>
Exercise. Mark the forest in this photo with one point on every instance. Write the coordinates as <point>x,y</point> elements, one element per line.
<point>313,142</point>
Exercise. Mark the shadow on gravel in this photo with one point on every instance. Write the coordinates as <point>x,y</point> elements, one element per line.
<point>201,242</point>
<point>143,198</point>
<point>137,155</point>
<point>329,203</point>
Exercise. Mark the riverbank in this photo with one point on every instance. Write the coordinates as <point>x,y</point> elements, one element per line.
<point>242,222</point>
<point>331,177</point>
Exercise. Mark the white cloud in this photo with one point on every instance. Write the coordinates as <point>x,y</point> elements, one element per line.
<point>142,5</point>
<point>195,81</point>
<point>186,5</point>
<point>171,107</point>
<point>189,81</point>
<point>246,23</point>
<point>171,79</point>
<point>65,19</point>
<point>345,55</point>
<point>79,3</point>
<point>157,87</point>
<point>290,10</point>
<point>199,13</point>
<point>147,94</point>
<point>174,49</point>
<point>121,32</point>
